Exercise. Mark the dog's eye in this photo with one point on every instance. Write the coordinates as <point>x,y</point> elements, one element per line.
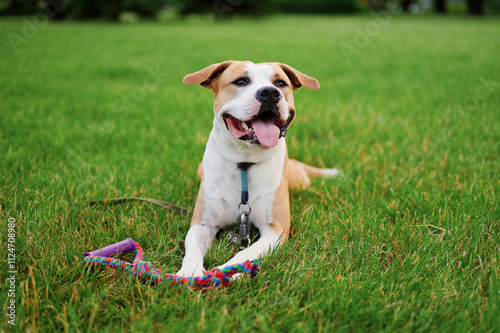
<point>241,82</point>
<point>280,84</point>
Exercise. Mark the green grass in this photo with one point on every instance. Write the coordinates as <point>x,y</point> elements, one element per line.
<point>407,240</point>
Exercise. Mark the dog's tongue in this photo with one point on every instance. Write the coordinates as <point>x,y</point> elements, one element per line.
<point>266,131</point>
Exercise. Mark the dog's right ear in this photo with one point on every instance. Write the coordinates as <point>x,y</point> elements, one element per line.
<point>207,75</point>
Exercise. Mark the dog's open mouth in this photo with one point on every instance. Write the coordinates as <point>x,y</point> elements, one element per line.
<point>265,129</point>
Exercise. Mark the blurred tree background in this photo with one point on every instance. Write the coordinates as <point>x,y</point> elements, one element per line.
<point>150,9</point>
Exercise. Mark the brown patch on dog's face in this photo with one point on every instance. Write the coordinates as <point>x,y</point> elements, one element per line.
<point>223,86</point>
<point>279,74</point>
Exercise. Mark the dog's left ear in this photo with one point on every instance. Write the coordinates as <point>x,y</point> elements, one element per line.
<point>207,75</point>
<point>298,78</point>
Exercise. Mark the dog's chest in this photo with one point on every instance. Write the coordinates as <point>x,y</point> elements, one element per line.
<point>222,186</point>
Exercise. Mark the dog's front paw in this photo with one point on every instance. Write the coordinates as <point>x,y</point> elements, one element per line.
<point>192,265</point>
<point>191,268</point>
<point>328,173</point>
<point>191,271</point>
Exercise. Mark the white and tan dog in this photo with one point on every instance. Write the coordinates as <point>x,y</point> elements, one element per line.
<point>253,108</point>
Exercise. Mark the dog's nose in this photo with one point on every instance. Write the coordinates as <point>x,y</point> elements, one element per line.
<point>268,95</point>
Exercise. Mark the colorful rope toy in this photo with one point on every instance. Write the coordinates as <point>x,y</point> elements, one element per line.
<point>145,271</point>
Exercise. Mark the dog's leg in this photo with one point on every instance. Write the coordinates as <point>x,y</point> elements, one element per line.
<point>299,174</point>
<point>198,241</point>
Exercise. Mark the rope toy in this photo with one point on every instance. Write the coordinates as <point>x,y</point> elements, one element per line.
<point>145,270</point>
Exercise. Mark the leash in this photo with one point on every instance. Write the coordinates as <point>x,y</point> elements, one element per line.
<point>165,205</point>
<point>243,238</point>
<point>145,271</point>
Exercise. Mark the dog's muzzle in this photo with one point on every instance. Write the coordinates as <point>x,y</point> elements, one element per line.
<point>265,129</point>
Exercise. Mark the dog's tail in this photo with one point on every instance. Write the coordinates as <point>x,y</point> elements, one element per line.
<point>299,174</point>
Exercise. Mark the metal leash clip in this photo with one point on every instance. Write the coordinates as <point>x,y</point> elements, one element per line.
<point>244,230</point>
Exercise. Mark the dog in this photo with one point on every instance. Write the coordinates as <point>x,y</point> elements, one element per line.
<point>253,109</point>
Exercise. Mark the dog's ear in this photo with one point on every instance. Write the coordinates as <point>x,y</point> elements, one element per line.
<point>207,75</point>
<point>298,78</point>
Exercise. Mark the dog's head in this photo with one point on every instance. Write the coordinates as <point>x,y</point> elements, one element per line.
<point>254,102</point>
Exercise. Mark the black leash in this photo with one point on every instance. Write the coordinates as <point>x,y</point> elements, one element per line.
<point>165,205</point>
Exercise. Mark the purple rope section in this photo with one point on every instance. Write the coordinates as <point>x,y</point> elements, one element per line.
<point>145,271</point>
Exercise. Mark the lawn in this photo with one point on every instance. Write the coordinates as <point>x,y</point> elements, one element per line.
<point>408,239</point>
